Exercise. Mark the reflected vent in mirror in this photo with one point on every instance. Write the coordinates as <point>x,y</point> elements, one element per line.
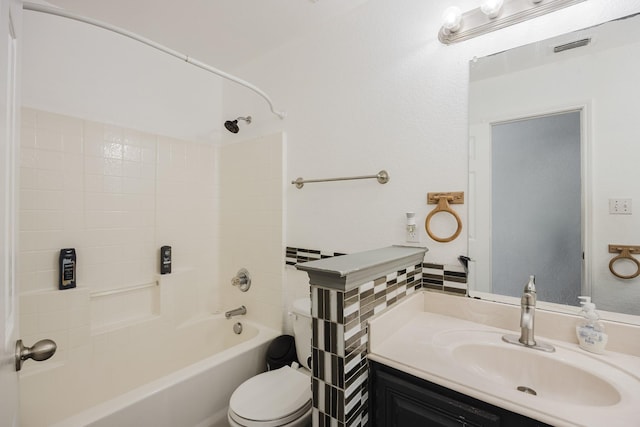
<point>572,45</point>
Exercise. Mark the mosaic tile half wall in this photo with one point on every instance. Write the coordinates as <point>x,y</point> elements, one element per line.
<point>339,345</point>
<point>438,277</point>
<point>339,340</point>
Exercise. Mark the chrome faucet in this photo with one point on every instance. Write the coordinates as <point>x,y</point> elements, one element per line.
<point>528,313</point>
<point>236,312</point>
<point>527,320</point>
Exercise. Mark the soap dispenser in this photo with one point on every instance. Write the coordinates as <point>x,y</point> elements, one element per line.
<point>590,331</point>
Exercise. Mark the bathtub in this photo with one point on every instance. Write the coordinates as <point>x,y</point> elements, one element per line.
<point>148,375</point>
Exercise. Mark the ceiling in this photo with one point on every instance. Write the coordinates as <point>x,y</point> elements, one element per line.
<point>222,33</point>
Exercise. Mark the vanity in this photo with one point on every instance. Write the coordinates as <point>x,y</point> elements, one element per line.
<point>440,360</point>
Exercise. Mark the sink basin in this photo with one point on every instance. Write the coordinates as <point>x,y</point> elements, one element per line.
<point>541,375</point>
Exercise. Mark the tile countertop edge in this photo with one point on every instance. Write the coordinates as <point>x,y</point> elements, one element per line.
<point>345,272</point>
<point>471,392</point>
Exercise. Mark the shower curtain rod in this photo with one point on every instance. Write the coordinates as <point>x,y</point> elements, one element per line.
<point>59,12</point>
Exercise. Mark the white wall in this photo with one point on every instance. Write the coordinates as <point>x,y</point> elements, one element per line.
<point>83,71</point>
<point>377,90</point>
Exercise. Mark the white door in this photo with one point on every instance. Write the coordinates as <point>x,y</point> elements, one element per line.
<point>10,22</point>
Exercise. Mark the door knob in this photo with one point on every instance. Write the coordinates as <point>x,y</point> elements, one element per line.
<point>42,350</point>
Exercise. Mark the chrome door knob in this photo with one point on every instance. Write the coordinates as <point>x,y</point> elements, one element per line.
<point>42,350</point>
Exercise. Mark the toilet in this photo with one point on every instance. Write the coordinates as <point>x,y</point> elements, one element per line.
<point>282,397</point>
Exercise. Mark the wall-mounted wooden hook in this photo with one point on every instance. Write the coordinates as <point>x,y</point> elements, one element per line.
<point>443,200</point>
<point>625,252</point>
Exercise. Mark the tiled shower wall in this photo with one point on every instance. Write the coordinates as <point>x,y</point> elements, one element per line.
<point>116,195</point>
<point>252,233</point>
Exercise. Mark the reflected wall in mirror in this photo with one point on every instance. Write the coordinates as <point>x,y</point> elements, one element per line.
<point>554,138</point>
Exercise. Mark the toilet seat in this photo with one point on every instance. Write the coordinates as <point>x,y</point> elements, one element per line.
<point>274,398</point>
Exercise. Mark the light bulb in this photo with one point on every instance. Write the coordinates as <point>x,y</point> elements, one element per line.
<point>451,19</point>
<point>491,8</point>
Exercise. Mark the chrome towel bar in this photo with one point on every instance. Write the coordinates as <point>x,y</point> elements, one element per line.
<point>382,177</point>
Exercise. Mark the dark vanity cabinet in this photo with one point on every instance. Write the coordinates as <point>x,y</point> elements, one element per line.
<point>398,399</point>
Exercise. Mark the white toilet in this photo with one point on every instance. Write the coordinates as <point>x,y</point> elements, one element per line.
<point>282,397</point>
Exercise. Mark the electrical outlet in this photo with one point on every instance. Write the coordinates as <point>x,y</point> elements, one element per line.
<point>620,206</point>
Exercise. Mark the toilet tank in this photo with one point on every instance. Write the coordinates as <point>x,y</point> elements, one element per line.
<point>301,314</point>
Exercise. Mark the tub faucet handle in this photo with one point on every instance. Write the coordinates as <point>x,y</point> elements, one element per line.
<point>242,280</point>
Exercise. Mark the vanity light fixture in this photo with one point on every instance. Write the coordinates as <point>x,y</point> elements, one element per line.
<point>493,15</point>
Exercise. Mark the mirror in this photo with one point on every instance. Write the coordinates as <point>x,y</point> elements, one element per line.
<point>553,149</point>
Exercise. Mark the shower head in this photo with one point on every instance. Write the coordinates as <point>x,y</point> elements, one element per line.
<point>232,125</point>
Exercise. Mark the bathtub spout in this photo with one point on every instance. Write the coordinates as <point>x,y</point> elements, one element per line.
<point>236,312</point>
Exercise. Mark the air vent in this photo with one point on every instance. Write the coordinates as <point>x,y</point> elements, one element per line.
<point>572,45</point>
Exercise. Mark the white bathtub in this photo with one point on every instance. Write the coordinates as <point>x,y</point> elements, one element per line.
<point>180,378</point>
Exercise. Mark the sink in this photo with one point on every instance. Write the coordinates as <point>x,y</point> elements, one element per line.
<point>541,375</point>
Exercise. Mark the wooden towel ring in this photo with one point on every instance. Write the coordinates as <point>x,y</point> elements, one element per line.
<point>625,253</point>
<point>443,206</point>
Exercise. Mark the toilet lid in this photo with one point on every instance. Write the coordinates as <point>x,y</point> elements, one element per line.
<point>273,395</point>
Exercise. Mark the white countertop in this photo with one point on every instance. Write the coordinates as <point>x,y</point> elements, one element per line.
<point>427,345</point>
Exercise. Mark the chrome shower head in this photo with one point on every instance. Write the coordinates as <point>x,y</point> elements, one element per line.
<point>232,125</point>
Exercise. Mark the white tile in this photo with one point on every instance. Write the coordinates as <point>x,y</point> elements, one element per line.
<point>72,142</point>
<point>50,220</point>
<point>53,321</point>
<point>365,287</point>
<point>29,200</point>
<point>112,184</point>
<point>28,178</point>
<point>112,167</point>
<point>29,158</point>
<point>73,181</point>
<point>93,183</point>
<point>132,169</point>
<point>29,324</point>
<point>28,304</point>
<point>133,137</point>
<point>28,282</point>
<point>112,150</point>
<point>93,165</point>
<point>29,220</point>
<point>73,201</point>
<point>49,140</point>
<point>132,153</point>
<point>50,180</point>
<point>79,336</point>
<point>73,162</point>
<point>113,134</point>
